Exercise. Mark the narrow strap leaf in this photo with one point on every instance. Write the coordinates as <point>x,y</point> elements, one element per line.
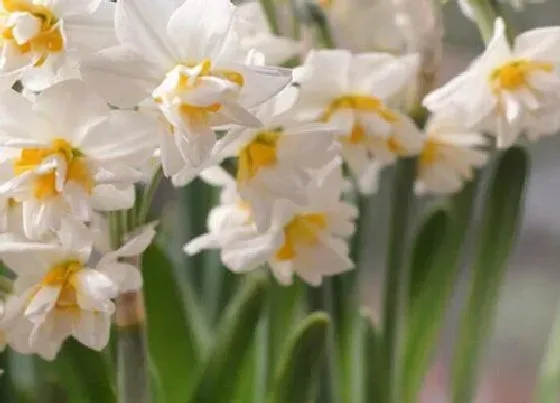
<point>174,332</point>
<point>500,220</point>
<point>86,374</point>
<point>299,369</point>
<point>375,387</point>
<point>220,371</point>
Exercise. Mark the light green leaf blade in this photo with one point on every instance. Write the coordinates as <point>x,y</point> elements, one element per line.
<point>175,333</point>
<point>86,375</point>
<point>217,379</point>
<point>428,298</point>
<point>501,217</point>
<point>301,364</point>
<point>375,387</point>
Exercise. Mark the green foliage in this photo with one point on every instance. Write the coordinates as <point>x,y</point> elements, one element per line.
<point>500,221</point>
<point>220,371</point>
<point>302,361</point>
<point>175,331</point>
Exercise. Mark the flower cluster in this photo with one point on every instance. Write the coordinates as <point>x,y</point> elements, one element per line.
<point>193,85</point>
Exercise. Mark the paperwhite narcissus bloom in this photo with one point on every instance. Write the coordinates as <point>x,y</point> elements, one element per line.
<point>184,60</point>
<point>56,294</point>
<point>67,153</point>
<point>255,34</point>
<point>350,92</point>
<point>449,156</point>
<point>43,41</point>
<point>506,85</point>
<point>276,163</point>
<point>308,242</point>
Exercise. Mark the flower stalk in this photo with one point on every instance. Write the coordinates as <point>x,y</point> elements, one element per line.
<point>132,345</point>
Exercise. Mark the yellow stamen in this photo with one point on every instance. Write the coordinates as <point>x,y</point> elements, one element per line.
<point>429,154</point>
<point>260,153</point>
<point>48,40</point>
<point>44,185</point>
<point>360,103</point>
<point>358,134</point>
<point>64,276</point>
<point>395,146</point>
<point>513,75</point>
<point>200,114</point>
<point>301,231</point>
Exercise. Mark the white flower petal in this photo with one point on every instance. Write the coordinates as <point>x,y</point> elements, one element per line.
<point>108,197</point>
<point>141,25</point>
<point>92,329</point>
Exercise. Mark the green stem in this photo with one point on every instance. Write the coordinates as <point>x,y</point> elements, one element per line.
<point>485,14</point>
<point>132,344</point>
<point>132,347</point>
<point>148,197</point>
<point>270,11</point>
<point>124,223</point>
<point>112,218</point>
<point>395,276</point>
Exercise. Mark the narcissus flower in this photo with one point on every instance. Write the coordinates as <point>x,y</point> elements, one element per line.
<point>449,155</point>
<point>277,162</point>
<point>67,153</point>
<point>308,242</point>
<point>185,61</point>
<point>255,34</point>
<point>56,293</point>
<point>506,86</point>
<point>43,41</point>
<point>351,93</point>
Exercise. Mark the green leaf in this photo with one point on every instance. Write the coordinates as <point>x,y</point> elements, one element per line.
<point>428,250</point>
<point>396,272</point>
<point>219,373</point>
<point>501,217</point>
<point>175,332</point>
<point>86,375</point>
<point>431,276</point>
<point>548,385</point>
<point>285,307</point>
<point>299,369</point>
<point>434,271</point>
<point>375,387</point>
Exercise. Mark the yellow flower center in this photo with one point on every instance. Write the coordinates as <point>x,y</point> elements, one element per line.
<point>260,153</point>
<point>358,134</point>
<point>359,103</point>
<point>513,75</point>
<point>44,185</point>
<point>301,231</point>
<point>200,114</point>
<point>429,154</point>
<point>64,276</point>
<point>48,40</point>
